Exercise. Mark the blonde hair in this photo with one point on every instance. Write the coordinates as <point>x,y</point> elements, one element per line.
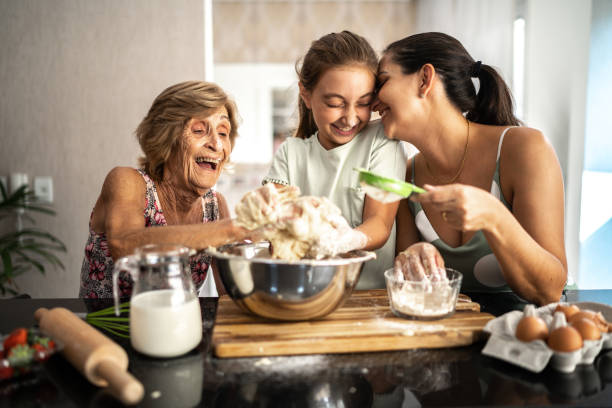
<point>162,127</point>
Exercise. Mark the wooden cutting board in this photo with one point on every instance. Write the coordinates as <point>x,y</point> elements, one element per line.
<point>363,324</point>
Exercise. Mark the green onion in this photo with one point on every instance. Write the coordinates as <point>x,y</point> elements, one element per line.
<point>106,320</point>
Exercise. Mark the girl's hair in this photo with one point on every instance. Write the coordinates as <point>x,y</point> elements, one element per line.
<point>330,51</point>
<point>160,131</point>
<point>493,103</point>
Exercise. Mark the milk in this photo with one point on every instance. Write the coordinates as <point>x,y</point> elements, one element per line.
<point>165,323</point>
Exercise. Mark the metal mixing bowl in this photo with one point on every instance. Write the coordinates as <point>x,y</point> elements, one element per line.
<point>287,290</point>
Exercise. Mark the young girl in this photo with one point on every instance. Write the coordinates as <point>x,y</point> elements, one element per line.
<point>334,136</point>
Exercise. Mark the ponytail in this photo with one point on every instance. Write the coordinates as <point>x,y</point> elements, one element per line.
<point>491,106</point>
<point>306,126</point>
<point>494,105</point>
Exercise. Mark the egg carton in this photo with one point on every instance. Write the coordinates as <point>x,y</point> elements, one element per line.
<point>535,355</point>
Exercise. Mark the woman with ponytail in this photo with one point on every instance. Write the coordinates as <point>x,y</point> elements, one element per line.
<point>334,135</point>
<point>494,203</point>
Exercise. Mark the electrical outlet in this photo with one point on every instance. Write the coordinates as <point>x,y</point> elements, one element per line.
<point>43,189</point>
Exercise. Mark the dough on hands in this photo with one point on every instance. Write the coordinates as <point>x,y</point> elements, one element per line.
<point>260,207</point>
<point>297,226</point>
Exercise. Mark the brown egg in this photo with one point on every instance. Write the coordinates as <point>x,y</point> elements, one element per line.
<point>565,339</point>
<point>602,323</point>
<point>587,329</point>
<point>568,310</point>
<point>531,328</point>
<point>597,318</point>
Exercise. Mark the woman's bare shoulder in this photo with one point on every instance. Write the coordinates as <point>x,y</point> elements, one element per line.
<point>523,141</point>
<point>527,152</point>
<point>123,181</point>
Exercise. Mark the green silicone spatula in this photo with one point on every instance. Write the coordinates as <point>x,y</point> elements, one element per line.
<point>385,189</point>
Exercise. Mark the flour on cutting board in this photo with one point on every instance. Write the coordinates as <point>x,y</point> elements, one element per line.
<point>411,329</point>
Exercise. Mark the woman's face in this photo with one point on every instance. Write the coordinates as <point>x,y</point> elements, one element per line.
<point>340,104</point>
<point>204,148</point>
<point>398,99</point>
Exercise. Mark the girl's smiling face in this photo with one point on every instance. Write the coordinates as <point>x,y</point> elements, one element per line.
<point>203,149</point>
<point>340,103</point>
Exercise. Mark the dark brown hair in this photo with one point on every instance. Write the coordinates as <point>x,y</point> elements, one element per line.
<point>163,126</point>
<point>330,51</point>
<point>491,106</point>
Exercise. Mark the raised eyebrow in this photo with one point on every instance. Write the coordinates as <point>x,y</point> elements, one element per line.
<point>225,122</point>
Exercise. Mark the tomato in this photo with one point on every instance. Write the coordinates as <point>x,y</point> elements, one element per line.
<point>38,347</point>
<point>40,352</point>
<point>5,372</point>
<point>17,337</point>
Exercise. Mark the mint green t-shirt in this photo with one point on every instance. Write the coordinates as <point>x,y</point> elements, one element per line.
<point>329,173</point>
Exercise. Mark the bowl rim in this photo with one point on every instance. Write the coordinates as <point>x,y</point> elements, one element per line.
<point>457,279</point>
<point>360,256</point>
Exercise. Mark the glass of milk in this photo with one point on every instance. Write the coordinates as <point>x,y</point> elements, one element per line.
<point>165,317</point>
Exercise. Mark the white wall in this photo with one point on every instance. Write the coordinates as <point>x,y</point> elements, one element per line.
<point>251,87</point>
<point>76,78</point>
<point>484,27</point>
<point>557,54</point>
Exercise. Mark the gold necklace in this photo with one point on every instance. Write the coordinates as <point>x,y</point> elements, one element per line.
<point>467,142</point>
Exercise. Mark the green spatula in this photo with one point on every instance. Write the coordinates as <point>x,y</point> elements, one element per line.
<point>385,189</point>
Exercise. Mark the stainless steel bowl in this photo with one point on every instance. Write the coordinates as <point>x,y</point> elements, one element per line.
<point>284,290</point>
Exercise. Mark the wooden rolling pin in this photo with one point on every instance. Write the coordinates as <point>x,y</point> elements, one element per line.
<point>97,357</point>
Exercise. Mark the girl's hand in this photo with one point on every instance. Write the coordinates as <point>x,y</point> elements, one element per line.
<point>338,238</point>
<point>420,261</point>
<point>462,207</point>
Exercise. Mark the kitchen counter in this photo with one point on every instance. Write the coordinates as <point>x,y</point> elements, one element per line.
<point>433,377</point>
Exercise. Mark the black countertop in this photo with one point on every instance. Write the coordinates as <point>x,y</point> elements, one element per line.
<point>443,377</point>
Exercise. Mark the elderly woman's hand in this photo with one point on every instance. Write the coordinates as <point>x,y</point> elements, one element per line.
<point>420,261</point>
<point>462,207</point>
<point>260,207</point>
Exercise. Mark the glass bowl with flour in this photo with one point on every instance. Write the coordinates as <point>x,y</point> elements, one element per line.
<point>423,299</point>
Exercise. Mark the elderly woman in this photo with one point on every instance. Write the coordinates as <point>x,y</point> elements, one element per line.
<point>187,138</point>
<point>494,203</point>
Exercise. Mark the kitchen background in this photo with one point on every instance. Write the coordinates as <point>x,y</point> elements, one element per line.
<point>78,76</point>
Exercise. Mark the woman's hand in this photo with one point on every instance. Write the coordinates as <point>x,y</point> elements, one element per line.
<point>420,261</point>
<point>462,207</point>
<point>261,206</point>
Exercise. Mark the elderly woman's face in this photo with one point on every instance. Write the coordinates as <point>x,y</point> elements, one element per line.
<point>205,147</point>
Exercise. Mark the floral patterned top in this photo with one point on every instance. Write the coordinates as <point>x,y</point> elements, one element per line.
<point>97,269</point>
